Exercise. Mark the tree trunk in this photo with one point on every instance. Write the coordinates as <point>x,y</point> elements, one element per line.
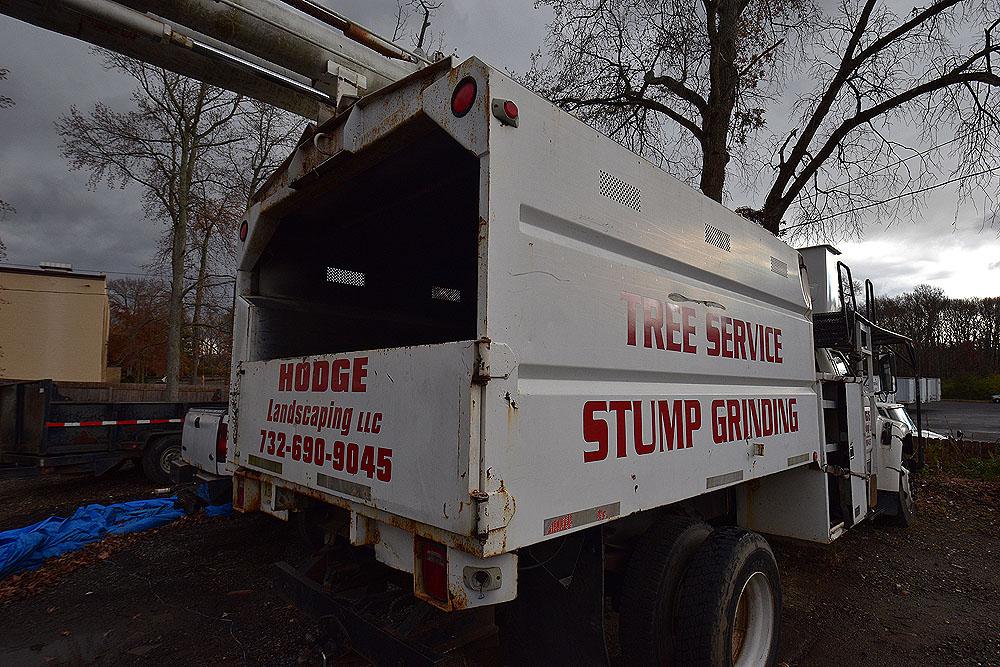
<point>199,296</point>
<point>175,318</point>
<point>723,26</point>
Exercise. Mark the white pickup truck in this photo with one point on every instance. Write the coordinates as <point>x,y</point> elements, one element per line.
<point>202,461</point>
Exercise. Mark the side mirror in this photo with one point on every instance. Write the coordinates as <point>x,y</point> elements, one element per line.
<point>886,433</point>
<point>887,373</point>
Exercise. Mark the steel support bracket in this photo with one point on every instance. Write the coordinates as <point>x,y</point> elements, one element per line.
<point>481,373</point>
<point>493,510</point>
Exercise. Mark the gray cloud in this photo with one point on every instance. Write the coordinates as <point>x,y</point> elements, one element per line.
<point>59,219</point>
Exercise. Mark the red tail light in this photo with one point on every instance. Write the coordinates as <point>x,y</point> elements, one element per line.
<point>244,228</point>
<point>432,559</point>
<point>464,96</point>
<point>221,442</point>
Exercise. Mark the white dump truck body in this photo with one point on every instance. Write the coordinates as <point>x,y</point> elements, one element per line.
<point>489,334</point>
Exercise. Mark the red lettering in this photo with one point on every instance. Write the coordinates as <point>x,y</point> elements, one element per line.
<point>670,424</point>
<point>727,337</point>
<point>620,408</point>
<point>341,375</point>
<point>712,327</point>
<point>777,346</point>
<point>641,446</point>
<point>360,373</point>
<point>302,376</point>
<point>632,300</point>
<point>766,418</point>
<point>285,377</point>
<point>734,430</point>
<point>687,315</point>
<point>321,375</point>
<point>739,340</point>
<point>692,421</point>
<point>752,418</point>
<point>718,421</point>
<point>652,322</point>
<point>673,327</point>
<point>782,419</point>
<point>595,431</point>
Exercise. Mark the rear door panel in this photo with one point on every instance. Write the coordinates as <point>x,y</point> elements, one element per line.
<point>388,428</point>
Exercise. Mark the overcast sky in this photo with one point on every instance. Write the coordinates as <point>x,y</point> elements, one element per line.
<point>59,219</point>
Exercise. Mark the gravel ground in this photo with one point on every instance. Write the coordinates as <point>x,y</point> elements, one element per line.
<point>197,592</point>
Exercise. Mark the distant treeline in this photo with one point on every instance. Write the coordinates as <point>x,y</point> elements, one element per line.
<point>957,340</point>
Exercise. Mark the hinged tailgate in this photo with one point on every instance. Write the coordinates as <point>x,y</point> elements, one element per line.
<point>387,428</point>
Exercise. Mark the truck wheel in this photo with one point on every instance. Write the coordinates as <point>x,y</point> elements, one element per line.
<point>729,603</point>
<point>906,506</point>
<point>156,458</point>
<point>649,588</point>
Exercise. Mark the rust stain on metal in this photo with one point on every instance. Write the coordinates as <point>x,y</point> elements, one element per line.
<point>460,542</point>
<point>362,36</point>
<point>458,597</point>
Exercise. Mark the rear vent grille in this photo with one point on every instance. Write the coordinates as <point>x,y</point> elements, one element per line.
<point>446,293</point>
<point>717,237</point>
<point>624,193</point>
<point>345,277</point>
<point>779,267</point>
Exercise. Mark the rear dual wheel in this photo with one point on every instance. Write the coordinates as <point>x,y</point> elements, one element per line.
<point>693,596</point>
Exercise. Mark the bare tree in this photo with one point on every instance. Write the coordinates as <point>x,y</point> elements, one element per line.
<point>268,134</point>
<point>139,315</point>
<point>168,145</point>
<point>696,85</point>
<point>424,9</point>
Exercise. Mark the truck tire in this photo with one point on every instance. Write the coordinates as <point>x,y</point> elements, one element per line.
<point>649,588</point>
<point>906,506</point>
<point>729,603</point>
<point>156,458</point>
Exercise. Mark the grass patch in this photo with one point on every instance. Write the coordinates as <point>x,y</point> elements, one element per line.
<point>988,468</point>
<point>971,387</point>
<point>974,460</point>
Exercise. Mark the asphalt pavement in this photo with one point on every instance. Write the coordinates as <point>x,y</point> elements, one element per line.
<point>976,420</point>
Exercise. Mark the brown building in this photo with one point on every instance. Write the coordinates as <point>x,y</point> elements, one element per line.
<point>53,323</point>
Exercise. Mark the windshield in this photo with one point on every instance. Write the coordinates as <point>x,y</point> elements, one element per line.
<point>901,415</point>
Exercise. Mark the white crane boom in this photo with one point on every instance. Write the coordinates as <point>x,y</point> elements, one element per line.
<point>295,54</point>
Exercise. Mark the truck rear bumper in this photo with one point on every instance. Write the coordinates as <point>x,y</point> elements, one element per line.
<point>472,580</point>
<point>212,489</point>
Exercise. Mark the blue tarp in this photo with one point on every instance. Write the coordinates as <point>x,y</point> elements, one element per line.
<point>27,548</point>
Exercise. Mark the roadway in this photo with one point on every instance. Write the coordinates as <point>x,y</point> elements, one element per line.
<point>976,420</point>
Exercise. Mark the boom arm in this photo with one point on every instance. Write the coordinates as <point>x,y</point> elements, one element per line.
<point>297,55</point>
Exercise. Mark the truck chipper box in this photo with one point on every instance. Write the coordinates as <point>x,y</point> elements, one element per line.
<point>502,355</point>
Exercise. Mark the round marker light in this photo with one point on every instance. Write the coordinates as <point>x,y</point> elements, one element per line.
<point>464,96</point>
<point>510,109</point>
<point>244,228</point>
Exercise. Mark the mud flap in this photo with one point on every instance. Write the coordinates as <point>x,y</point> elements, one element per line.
<point>558,618</point>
